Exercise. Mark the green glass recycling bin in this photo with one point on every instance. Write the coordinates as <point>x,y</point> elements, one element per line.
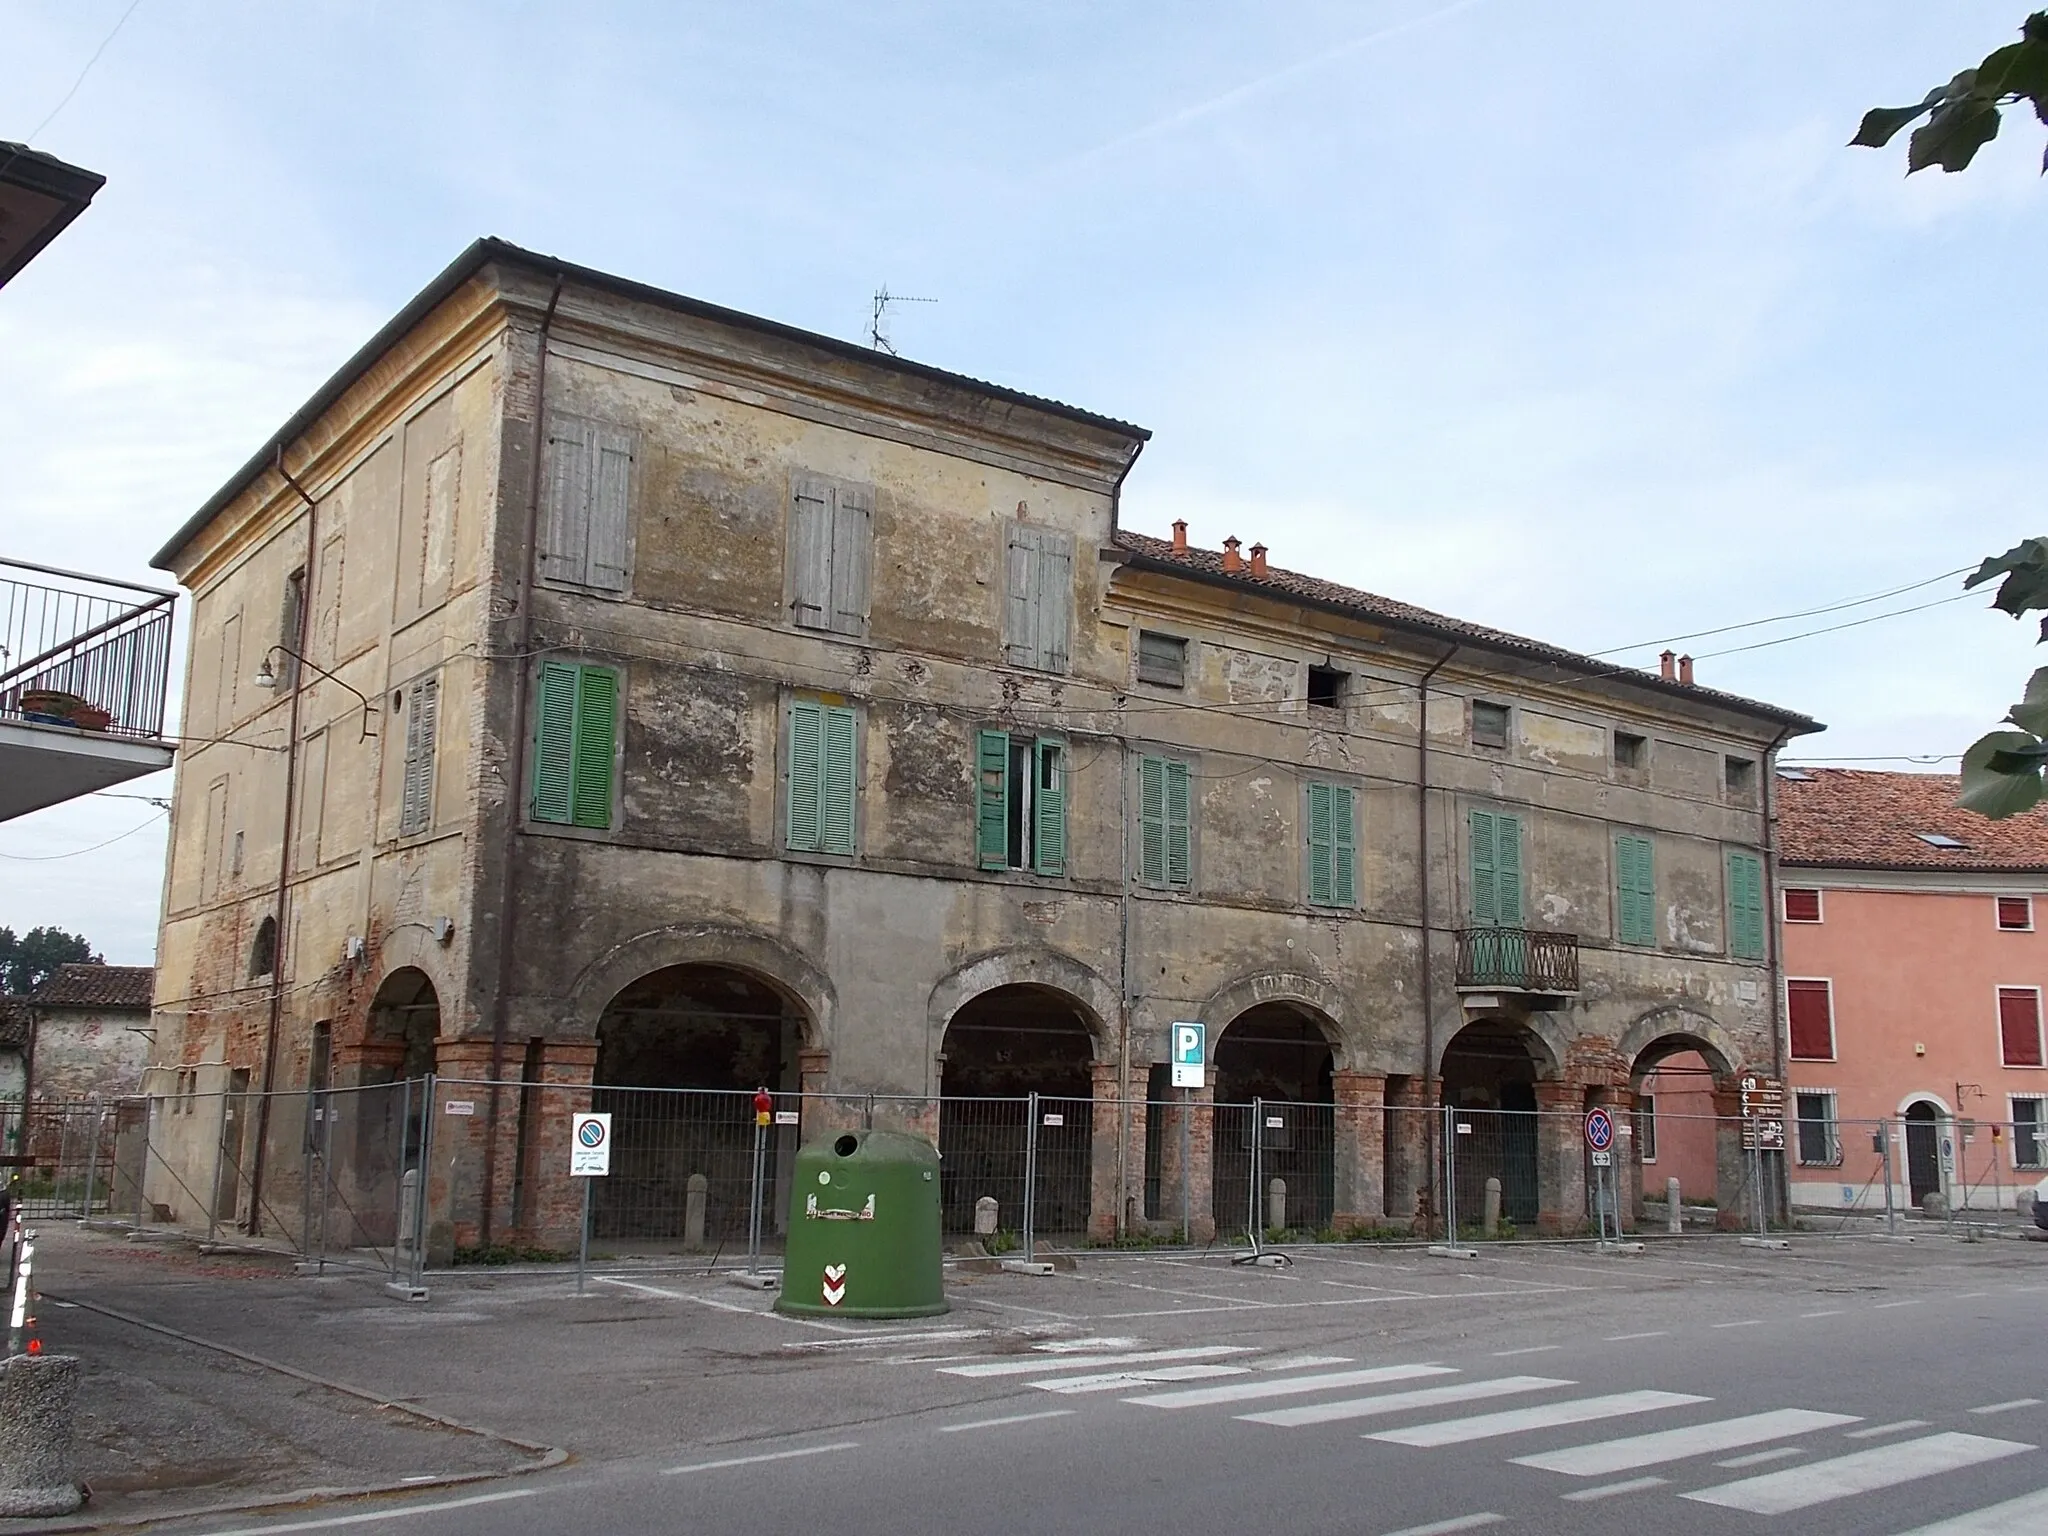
<point>864,1229</point>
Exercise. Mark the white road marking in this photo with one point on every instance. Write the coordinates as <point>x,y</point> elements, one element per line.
<point>1831,1312</point>
<point>1402,1402</point>
<point>1088,1346</point>
<point>2018,1402</point>
<point>1623,1338</point>
<point>1606,1457</point>
<point>1758,1458</point>
<point>398,1513</point>
<point>2029,1512</point>
<point>720,1306</point>
<point>1613,1490</point>
<point>1886,1306</point>
<point>1515,1421</point>
<point>1747,1322</point>
<point>1300,1362</point>
<point>869,1341</point>
<point>1293,1386</point>
<point>753,1461</point>
<point>1534,1349</point>
<point>1010,1418</point>
<point>1027,1366</point>
<point>1445,1527</point>
<point>1779,1493</point>
<point>1296,1306</point>
<point>1885,1429</point>
<point>1970,1296</point>
<point>1124,1381</point>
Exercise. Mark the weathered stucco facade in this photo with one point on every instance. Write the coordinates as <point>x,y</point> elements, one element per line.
<point>793,848</point>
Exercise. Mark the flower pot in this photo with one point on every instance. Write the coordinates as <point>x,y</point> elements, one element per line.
<point>90,717</point>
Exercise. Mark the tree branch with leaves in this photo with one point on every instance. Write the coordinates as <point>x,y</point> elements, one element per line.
<point>1963,116</point>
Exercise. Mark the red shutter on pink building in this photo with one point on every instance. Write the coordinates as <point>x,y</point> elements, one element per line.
<point>2015,913</point>
<point>2019,1026</point>
<point>1801,905</point>
<point>1812,1019</point>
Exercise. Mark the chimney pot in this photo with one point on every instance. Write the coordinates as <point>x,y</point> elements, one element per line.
<point>1180,535</point>
<point>1232,560</point>
<point>1667,666</point>
<point>1258,559</point>
<point>1685,670</point>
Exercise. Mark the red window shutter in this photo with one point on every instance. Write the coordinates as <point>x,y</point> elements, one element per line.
<point>2015,912</point>
<point>1813,1027</point>
<point>1801,906</point>
<point>2019,1026</point>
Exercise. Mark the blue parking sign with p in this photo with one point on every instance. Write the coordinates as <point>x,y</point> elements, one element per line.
<point>1190,1054</point>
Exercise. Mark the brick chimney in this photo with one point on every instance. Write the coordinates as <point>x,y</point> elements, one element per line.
<point>1180,535</point>
<point>1667,667</point>
<point>1258,559</point>
<point>1685,670</point>
<point>1232,560</point>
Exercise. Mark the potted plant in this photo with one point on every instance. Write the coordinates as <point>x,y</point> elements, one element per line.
<point>49,706</point>
<point>90,717</point>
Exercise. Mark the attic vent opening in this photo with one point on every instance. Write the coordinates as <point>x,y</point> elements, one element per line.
<point>1940,840</point>
<point>1326,687</point>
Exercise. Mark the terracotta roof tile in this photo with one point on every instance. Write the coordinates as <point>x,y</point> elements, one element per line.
<point>14,1023</point>
<point>97,986</point>
<point>1853,818</point>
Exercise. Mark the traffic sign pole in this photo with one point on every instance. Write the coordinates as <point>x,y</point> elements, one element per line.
<point>583,1241</point>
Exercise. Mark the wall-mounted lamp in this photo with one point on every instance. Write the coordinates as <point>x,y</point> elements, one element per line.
<point>266,677</point>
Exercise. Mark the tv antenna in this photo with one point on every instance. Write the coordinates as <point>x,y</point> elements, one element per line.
<point>879,315</point>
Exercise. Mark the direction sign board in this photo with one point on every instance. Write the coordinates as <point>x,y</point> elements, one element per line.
<point>1763,1113</point>
<point>1599,1130</point>
<point>590,1146</point>
<point>1190,1054</point>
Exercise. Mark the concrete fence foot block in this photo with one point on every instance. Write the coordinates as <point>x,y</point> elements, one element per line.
<point>37,1394</point>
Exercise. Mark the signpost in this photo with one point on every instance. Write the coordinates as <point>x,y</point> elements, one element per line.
<point>1190,1058</point>
<point>1600,1141</point>
<point>590,1157</point>
<point>1763,1130</point>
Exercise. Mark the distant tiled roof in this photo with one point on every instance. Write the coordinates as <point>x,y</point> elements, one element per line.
<point>1208,564</point>
<point>14,1023</point>
<point>1851,818</point>
<point>97,986</point>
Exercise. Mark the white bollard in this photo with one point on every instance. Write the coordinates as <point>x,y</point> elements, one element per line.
<point>1489,1212</point>
<point>985,1212</point>
<point>1674,1208</point>
<point>696,1193</point>
<point>1276,1205</point>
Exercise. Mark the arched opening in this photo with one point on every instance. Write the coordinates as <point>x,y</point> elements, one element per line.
<point>391,1109</point>
<point>1676,1132</point>
<point>1489,1074</point>
<point>1923,1150</point>
<point>999,1048</point>
<point>680,1052</point>
<point>406,1013</point>
<point>1275,1092</point>
<point>263,952</point>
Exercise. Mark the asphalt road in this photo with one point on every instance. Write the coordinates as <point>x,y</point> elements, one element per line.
<point>1843,1387</point>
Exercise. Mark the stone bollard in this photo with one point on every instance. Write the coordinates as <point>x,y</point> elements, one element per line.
<point>1674,1208</point>
<point>408,1212</point>
<point>696,1193</point>
<point>985,1212</point>
<point>1489,1213</point>
<point>1934,1205</point>
<point>1276,1205</point>
<point>36,1397</point>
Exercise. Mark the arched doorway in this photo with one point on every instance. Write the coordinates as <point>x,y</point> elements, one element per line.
<point>1674,1079</point>
<point>680,1052</point>
<point>1923,1150</point>
<point>999,1048</point>
<point>390,1109</point>
<point>1489,1073</point>
<point>1279,1055</point>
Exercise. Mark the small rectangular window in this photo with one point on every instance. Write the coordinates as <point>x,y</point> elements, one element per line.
<point>1165,852</point>
<point>1021,815</point>
<point>1326,687</point>
<point>1745,906</point>
<point>2019,1026</point>
<point>1630,751</point>
<point>1162,659</point>
<point>1646,1126</point>
<point>1802,905</point>
<point>586,525</point>
<point>1819,1144</point>
<point>820,815</point>
<point>1489,724</point>
<point>1635,881</point>
<point>575,736</point>
<point>1810,1015</point>
<point>2027,1129</point>
<point>2016,913</point>
<point>831,541</point>
<point>1039,578</point>
<point>1740,773</point>
<point>422,726</point>
<point>1332,843</point>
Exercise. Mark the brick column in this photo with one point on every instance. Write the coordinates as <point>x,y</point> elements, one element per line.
<point>1360,1198</point>
<point>1560,1158</point>
<point>1406,1172</point>
<point>1105,1196</point>
<point>1627,1181</point>
<point>1731,1163</point>
<point>1198,1177</point>
<point>552,1201</point>
<point>1138,1112</point>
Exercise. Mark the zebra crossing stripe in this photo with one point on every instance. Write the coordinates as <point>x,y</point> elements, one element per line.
<point>1610,1456</point>
<point>1292,1386</point>
<point>1403,1402</point>
<point>1121,1381</point>
<point>1039,1364</point>
<point>2029,1512</point>
<point>1515,1421</point>
<point>1778,1493</point>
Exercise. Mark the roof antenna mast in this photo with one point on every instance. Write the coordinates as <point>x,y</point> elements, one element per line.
<point>878,317</point>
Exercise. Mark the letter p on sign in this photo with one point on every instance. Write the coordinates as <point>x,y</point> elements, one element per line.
<point>1190,1054</point>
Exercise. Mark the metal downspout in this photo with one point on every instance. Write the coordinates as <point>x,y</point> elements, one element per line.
<point>1774,957</point>
<point>1428,963</point>
<point>1123,916</point>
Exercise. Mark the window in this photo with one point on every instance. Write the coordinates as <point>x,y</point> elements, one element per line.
<point>263,953</point>
<point>1646,1126</point>
<point>1496,870</point>
<point>1040,586</point>
<point>1332,846</point>
<point>2019,1026</point>
<point>1165,854</point>
<point>831,540</point>
<point>1021,818</point>
<point>1940,840</point>
<point>1630,751</point>
<point>1162,659</point>
<point>1810,1015</point>
<point>416,796</point>
<point>1801,905</point>
<point>2027,1118</point>
<point>1740,775</point>
<point>1745,906</point>
<point>586,513</point>
<point>1814,1115</point>
<point>2016,913</point>
<point>1326,687</point>
<point>290,627</point>
<point>1489,724</point>
<point>576,736</point>
<point>821,754</point>
<point>1635,883</point>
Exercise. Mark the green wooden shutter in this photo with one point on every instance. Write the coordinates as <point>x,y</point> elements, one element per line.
<point>1507,869</point>
<point>1152,820</point>
<point>1321,878</point>
<point>835,796</point>
<point>1745,906</point>
<point>1343,848</point>
<point>1485,903</point>
<point>806,774</point>
<point>992,799</point>
<point>1179,853</point>
<point>1049,809</point>
<point>1635,890</point>
<point>597,726</point>
<point>555,743</point>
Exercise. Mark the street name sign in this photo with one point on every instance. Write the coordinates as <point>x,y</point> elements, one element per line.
<point>590,1146</point>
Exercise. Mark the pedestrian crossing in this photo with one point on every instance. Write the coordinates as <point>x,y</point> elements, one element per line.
<point>1771,1463</point>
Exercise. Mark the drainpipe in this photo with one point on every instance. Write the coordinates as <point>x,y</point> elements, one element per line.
<point>1123,919</point>
<point>516,764</point>
<point>284,853</point>
<point>1422,868</point>
<point>1774,958</point>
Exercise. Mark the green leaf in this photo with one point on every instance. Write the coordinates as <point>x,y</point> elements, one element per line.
<point>1953,135</point>
<point>1881,124</point>
<point>2025,567</point>
<point>2031,713</point>
<point>1994,793</point>
<point>2027,552</point>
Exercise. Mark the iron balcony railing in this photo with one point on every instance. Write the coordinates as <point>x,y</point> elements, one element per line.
<point>1517,959</point>
<point>82,652</point>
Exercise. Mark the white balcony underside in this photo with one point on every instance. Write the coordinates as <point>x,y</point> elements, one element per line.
<point>47,764</point>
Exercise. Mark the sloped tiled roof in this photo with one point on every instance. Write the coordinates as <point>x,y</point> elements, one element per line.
<point>14,1023</point>
<point>1207,564</point>
<point>97,986</point>
<point>1856,819</point>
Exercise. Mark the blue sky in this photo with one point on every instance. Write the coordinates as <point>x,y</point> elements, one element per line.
<point>1577,319</point>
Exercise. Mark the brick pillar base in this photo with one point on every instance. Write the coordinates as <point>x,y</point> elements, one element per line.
<point>1560,1158</point>
<point>1731,1164</point>
<point>1406,1153</point>
<point>1105,1196</point>
<point>1359,1180</point>
<point>1189,1187</point>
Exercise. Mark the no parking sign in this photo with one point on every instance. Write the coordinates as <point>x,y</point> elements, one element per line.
<point>590,1146</point>
<point>1599,1132</point>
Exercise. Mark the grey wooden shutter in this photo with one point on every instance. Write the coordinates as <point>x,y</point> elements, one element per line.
<point>610,533</point>
<point>810,551</point>
<point>853,519</point>
<point>565,508</point>
<point>1021,596</point>
<point>416,797</point>
<point>1055,601</point>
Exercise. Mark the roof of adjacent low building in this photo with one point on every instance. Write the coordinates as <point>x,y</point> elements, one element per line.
<point>39,195</point>
<point>1854,818</point>
<point>116,988</point>
<point>15,1023</point>
<point>1207,565</point>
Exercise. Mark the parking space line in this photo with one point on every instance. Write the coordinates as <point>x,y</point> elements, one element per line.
<point>1623,1338</point>
<point>329,1522</point>
<point>754,1461</point>
<point>1831,1312</point>
<point>1446,1527</point>
<point>2018,1402</point>
<point>1885,1429</point>
<point>1613,1490</point>
<point>1008,1418</point>
<point>1533,1349</point>
<point>1886,1306</point>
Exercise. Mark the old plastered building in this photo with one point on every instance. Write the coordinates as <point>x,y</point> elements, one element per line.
<point>688,701</point>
